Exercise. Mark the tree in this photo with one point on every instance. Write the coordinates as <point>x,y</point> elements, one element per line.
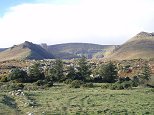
<point>18,75</point>
<point>71,73</point>
<point>145,74</point>
<point>35,73</point>
<point>108,72</point>
<point>55,73</point>
<point>135,81</point>
<point>83,69</point>
<point>50,74</point>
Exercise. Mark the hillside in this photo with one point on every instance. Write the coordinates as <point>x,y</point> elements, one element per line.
<point>75,50</point>
<point>26,50</point>
<point>140,46</point>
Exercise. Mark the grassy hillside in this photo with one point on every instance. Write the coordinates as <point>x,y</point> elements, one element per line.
<point>92,101</point>
<point>14,53</point>
<point>75,50</point>
<point>25,50</point>
<point>140,46</point>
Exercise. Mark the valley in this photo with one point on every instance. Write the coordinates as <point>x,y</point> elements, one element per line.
<point>78,78</point>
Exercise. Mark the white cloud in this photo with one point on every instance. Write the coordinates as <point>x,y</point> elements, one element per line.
<point>98,21</point>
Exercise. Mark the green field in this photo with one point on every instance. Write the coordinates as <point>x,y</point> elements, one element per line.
<point>81,101</point>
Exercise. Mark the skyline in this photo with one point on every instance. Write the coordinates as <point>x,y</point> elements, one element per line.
<point>69,21</point>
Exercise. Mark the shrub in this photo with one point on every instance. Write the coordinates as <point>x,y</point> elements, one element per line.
<point>134,84</point>
<point>127,84</point>
<point>17,75</point>
<point>119,86</point>
<point>16,86</point>
<point>44,83</point>
<point>112,87</point>
<point>40,83</point>
<point>105,86</point>
<point>152,90</point>
<point>49,84</point>
<point>76,84</point>
<point>116,86</point>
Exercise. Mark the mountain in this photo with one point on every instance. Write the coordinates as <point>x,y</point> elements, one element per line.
<point>140,46</point>
<point>76,50</point>
<point>2,49</point>
<point>26,50</point>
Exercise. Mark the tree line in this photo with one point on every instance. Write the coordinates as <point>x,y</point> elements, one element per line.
<point>76,74</point>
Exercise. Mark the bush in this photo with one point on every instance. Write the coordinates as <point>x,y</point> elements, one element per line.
<point>49,84</point>
<point>152,90</point>
<point>40,83</point>
<point>127,84</point>
<point>76,84</point>
<point>88,85</point>
<point>17,75</point>
<point>134,84</point>
<point>119,86</point>
<point>105,86</point>
<point>44,83</point>
<point>116,86</point>
<point>16,86</point>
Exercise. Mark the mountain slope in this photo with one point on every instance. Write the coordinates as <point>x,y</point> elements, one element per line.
<point>140,46</point>
<point>26,50</point>
<point>75,50</point>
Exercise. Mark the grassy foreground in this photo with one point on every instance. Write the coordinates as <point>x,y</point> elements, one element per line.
<point>81,101</point>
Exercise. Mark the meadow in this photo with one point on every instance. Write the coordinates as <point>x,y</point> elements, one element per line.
<point>62,100</point>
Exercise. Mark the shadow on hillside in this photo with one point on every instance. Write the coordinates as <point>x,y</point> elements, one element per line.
<point>9,102</point>
<point>31,97</point>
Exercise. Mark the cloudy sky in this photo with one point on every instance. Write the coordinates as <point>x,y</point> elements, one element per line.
<point>63,21</point>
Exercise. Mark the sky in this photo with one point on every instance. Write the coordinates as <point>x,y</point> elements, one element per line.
<point>65,21</point>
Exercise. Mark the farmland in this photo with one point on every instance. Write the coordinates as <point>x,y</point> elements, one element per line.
<point>60,99</point>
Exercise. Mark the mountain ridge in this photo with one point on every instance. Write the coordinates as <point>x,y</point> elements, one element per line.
<point>139,46</point>
<point>26,50</point>
<point>76,50</point>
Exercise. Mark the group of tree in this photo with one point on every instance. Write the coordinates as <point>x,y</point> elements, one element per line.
<point>144,76</point>
<point>37,74</point>
<point>81,72</point>
<point>20,76</point>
